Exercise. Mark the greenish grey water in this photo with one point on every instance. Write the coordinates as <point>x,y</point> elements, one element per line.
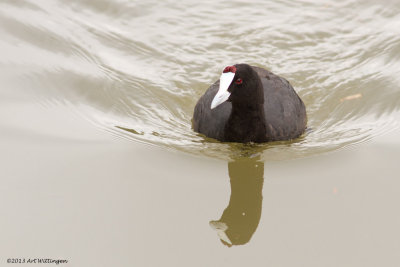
<point>100,164</point>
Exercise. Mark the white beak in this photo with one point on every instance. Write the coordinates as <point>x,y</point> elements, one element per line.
<point>222,95</point>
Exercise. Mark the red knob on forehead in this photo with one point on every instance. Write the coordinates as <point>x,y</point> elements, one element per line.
<point>230,69</point>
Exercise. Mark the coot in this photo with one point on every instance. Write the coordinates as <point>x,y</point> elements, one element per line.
<point>250,104</point>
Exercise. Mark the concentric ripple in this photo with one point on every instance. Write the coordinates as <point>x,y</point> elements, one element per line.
<point>136,69</point>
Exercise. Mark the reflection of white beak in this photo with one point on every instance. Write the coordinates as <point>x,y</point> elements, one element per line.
<point>221,228</point>
<point>222,95</point>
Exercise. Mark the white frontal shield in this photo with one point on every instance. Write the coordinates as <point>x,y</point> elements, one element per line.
<point>222,95</point>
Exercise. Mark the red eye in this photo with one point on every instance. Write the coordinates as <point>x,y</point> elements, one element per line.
<point>239,81</point>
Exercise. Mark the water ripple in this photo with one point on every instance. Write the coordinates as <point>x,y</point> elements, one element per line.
<point>136,69</point>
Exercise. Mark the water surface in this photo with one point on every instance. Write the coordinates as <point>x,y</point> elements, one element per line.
<point>95,123</point>
<point>137,69</point>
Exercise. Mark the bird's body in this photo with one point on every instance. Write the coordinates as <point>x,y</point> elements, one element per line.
<point>261,107</point>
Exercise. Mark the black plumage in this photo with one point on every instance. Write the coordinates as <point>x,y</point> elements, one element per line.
<point>262,107</point>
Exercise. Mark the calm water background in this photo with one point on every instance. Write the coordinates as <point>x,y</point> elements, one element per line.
<point>100,164</point>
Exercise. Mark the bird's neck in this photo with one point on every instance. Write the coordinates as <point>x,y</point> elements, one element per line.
<point>246,123</point>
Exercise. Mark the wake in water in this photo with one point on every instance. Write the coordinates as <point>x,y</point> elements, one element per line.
<point>136,70</point>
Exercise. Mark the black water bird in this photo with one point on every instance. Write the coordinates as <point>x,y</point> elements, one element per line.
<point>250,104</point>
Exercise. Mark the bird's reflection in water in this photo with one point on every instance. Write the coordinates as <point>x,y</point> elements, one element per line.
<point>240,219</point>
